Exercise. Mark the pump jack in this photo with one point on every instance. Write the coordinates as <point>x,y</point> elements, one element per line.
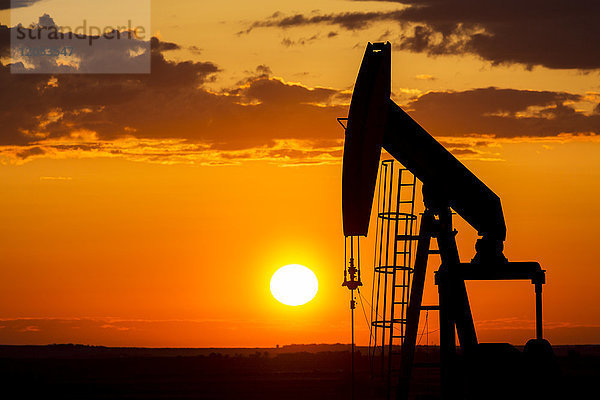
<point>375,122</point>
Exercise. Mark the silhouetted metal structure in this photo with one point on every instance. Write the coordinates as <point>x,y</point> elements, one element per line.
<point>375,122</point>
<point>352,282</point>
<point>393,259</point>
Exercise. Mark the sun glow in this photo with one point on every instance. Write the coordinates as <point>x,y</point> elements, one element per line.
<point>294,285</point>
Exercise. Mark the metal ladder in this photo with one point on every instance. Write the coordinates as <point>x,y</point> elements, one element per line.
<point>393,260</point>
<point>403,245</point>
<point>427,231</point>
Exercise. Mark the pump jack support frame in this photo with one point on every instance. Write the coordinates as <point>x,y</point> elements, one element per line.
<point>455,312</point>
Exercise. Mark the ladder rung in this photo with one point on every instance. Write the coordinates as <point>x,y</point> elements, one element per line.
<point>400,285</point>
<point>405,202</point>
<point>436,251</point>
<point>407,237</point>
<point>389,269</point>
<point>400,302</point>
<point>403,252</point>
<point>430,308</point>
<point>407,184</point>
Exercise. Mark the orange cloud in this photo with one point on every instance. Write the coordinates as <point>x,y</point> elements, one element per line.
<point>170,116</point>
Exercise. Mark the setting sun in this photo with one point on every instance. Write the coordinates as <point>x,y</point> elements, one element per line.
<point>294,285</point>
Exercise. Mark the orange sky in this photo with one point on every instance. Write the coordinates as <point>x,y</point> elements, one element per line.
<point>152,211</point>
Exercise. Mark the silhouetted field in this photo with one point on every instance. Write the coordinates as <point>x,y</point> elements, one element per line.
<point>301,372</point>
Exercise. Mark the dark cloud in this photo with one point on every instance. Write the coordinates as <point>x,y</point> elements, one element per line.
<point>287,42</point>
<point>551,33</point>
<point>249,120</point>
<point>171,103</point>
<point>261,117</point>
<point>160,46</point>
<point>558,34</point>
<point>273,91</point>
<point>6,4</point>
<point>502,113</point>
<point>33,151</point>
<point>347,20</point>
<point>195,49</point>
<point>109,52</point>
<point>463,152</point>
<point>41,106</point>
<point>264,70</point>
<point>46,21</point>
<point>4,41</point>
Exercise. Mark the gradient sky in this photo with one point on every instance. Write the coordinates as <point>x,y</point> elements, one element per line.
<point>153,210</point>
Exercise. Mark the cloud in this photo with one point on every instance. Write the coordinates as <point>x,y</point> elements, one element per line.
<point>268,90</point>
<point>123,332</point>
<point>503,113</point>
<point>287,42</point>
<point>425,77</point>
<point>6,4</point>
<point>31,328</point>
<point>168,116</point>
<point>267,118</point>
<point>129,332</point>
<point>171,116</point>
<point>39,106</point>
<point>113,51</point>
<point>557,34</point>
<point>4,41</point>
<point>32,151</point>
<point>161,46</point>
<point>195,50</point>
<point>46,21</point>
<point>347,20</point>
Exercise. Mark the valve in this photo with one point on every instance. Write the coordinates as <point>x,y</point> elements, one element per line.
<point>353,271</point>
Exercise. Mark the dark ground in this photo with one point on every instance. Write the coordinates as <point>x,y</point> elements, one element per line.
<point>292,372</point>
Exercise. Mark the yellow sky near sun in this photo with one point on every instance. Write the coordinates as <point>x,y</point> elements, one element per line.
<point>163,243</point>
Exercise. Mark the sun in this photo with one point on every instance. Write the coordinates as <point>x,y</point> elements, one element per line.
<point>294,285</point>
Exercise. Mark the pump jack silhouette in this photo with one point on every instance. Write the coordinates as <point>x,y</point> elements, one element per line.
<point>479,370</point>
